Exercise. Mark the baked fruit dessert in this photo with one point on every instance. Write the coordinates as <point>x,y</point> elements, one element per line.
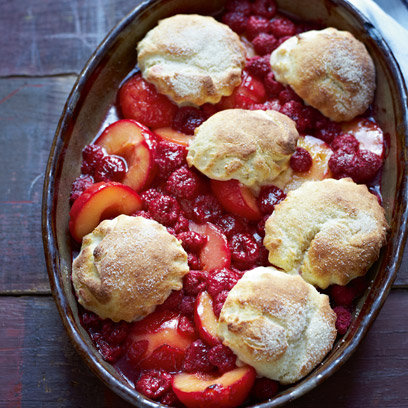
<point>329,69</point>
<point>226,223</point>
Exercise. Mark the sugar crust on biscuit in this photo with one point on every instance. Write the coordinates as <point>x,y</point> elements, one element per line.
<point>127,266</point>
<point>329,69</point>
<point>192,59</point>
<point>277,323</point>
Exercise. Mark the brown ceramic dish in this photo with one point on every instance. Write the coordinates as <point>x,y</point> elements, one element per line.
<point>87,107</point>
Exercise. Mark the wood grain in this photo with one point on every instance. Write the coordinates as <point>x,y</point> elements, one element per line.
<point>48,37</point>
<point>53,375</point>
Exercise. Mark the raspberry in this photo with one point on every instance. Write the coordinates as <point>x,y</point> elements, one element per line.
<point>149,196</point>
<point>268,105</point>
<point>91,156</point>
<point>263,259</point>
<point>110,168</point>
<point>244,250</point>
<point>222,357</point>
<point>183,183</point>
<point>90,320</point>
<point>221,280</point>
<point>209,109</point>
<point>169,399</point>
<point>187,305</point>
<point>219,301</point>
<point>195,282</point>
<point>288,95</point>
<point>239,6</point>
<point>186,326</point>
<point>154,383</point>
<point>109,353</point>
<point>367,166</point>
<point>283,39</point>
<point>181,225</point>
<point>264,8</point>
<point>80,184</point>
<point>196,358</point>
<point>192,241</point>
<point>293,109</point>
<point>142,213</point>
<point>258,66</point>
<point>169,157</point>
<point>282,27</point>
<point>327,130</point>
<point>343,319</point>
<point>231,224</point>
<point>165,210</point>
<point>301,161</point>
<point>264,43</point>
<point>306,119</point>
<point>173,302</point>
<point>140,100</point>
<point>256,25</point>
<point>164,357</point>
<point>194,261</point>
<point>187,119</point>
<point>342,295</point>
<point>206,208</point>
<point>273,87</point>
<point>236,21</point>
<point>346,142</point>
<point>136,351</point>
<point>268,197</point>
<point>341,163</point>
<point>260,227</point>
<point>116,333</point>
<point>264,388</point>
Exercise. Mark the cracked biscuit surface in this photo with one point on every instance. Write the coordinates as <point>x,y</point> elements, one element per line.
<point>127,266</point>
<point>252,147</point>
<point>192,59</point>
<point>329,231</point>
<point>329,69</point>
<point>277,323</point>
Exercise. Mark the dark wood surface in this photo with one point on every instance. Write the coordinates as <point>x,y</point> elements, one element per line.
<point>43,46</point>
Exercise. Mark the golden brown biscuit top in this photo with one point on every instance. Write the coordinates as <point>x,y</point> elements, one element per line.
<point>192,59</point>
<point>277,323</point>
<point>250,146</point>
<point>329,69</point>
<point>127,266</point>
<point>329,231</point>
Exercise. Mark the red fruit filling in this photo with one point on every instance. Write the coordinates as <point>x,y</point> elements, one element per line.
<point>149,196</point>
<point>287,95</point>
<point>220,280</point>
<point>222,357</point>
<point>273,87</point>
<point>239,6</point>
<point>244,250</point>
<point>367,166</point>
<point>164,357</point>
<point>192,241</point>
<point>345,142</point>
<point>194,262</point>
<point>154,383</point>
<point>342,295</point>
<point>80,184</point>
<point>264,388</point>
<point>140,100</point>
<point>206,208</point>
<point>187,305</point>
<point>236,21</point>
<point>264,43</point>
<point>196,359</point>
<point>268,197</point>
<point>343,319</point>
<point>282,27</point>
<point>186,326</point>
<point>187,119</point>
<point>219,301</point>
<point>164,209</point>
<point>169,157</point>
<point>301,161</point>
<point>137,351</point>
<point>183,183</point>
<point>259,66</point>
<point>264,8</point>
<point>110,168</point>
<point>257,25</point>
<point>326,130</point>
<point>91,157</point>
<point>231,224</point>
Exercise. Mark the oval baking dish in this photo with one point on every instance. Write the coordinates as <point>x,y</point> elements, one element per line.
<point>85,112</point>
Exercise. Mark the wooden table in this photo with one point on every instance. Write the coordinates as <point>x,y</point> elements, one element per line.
<point>43,46</point>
